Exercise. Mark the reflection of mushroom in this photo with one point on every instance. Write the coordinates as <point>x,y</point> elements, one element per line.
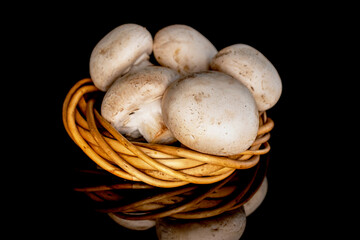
<point>124,47</point>
<point>211,112</point>
<point>255,201</point>
<point>254,70</point>
<point>182,48</point>
<point>229,225</point>
<point>132,104</point>
<point>133,224</point>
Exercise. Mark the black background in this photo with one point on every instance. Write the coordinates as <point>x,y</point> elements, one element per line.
<point>300,200</point>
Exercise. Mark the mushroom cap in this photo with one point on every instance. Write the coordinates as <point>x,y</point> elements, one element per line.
<point>183,49</point>
<point>255,201</point>
<point>138,225</point>
<point>114,54</point>
<point>228,226</point>
<point>132,103</point>
<point>253,69</point>
<point>211,112</point>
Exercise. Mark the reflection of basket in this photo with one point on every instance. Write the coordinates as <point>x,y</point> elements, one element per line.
<point>140,201</point>
<point>157,165</point>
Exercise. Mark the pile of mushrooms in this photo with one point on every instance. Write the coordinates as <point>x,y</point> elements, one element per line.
<point>206,99</point>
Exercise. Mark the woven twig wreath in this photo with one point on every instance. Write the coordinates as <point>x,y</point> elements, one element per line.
<point>155,164</point>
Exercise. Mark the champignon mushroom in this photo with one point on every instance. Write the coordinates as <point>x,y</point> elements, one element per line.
<point>255,201</point>
<point>138,225</point>
<point>132,104</point>
<point>228,226</point>
<point>115,54</point>
<point>183,49</point>
<point>211,112</point>
<point>253,69</point>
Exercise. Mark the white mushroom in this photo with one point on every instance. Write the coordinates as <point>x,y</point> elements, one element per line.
<point>254,70</point>
<point>226,226</point>
<point>211,112</point>
<point>115,54</point>
<point>255,201</point>
<point>183,49</point>
<point>132,104</point>
<point>138,225</point>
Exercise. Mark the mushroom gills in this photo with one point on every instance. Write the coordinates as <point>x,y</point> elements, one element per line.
<point>147,122</point>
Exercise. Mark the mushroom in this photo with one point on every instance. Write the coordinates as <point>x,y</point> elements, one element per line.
<point>115,54</point>
<point>255,201</point>
<point>211,112</point>
<point>183,48</point>
<point>253,69</point>
<point>132,104</point>
<point>228,226</point>
<point>138,225</point>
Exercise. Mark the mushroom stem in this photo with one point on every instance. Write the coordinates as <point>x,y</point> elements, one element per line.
<point>151,126</point>
<point>142,62</point>
<point>133,102</point>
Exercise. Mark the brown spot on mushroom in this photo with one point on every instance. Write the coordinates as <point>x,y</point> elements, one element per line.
<point>186,68</point>
<point>177,58</point>
<point>263,97</point>
<point>199,96</point>
<point>176,53</point>
<point>103,51</point>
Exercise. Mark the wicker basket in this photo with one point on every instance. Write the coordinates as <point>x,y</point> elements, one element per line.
<point>154,164</point>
